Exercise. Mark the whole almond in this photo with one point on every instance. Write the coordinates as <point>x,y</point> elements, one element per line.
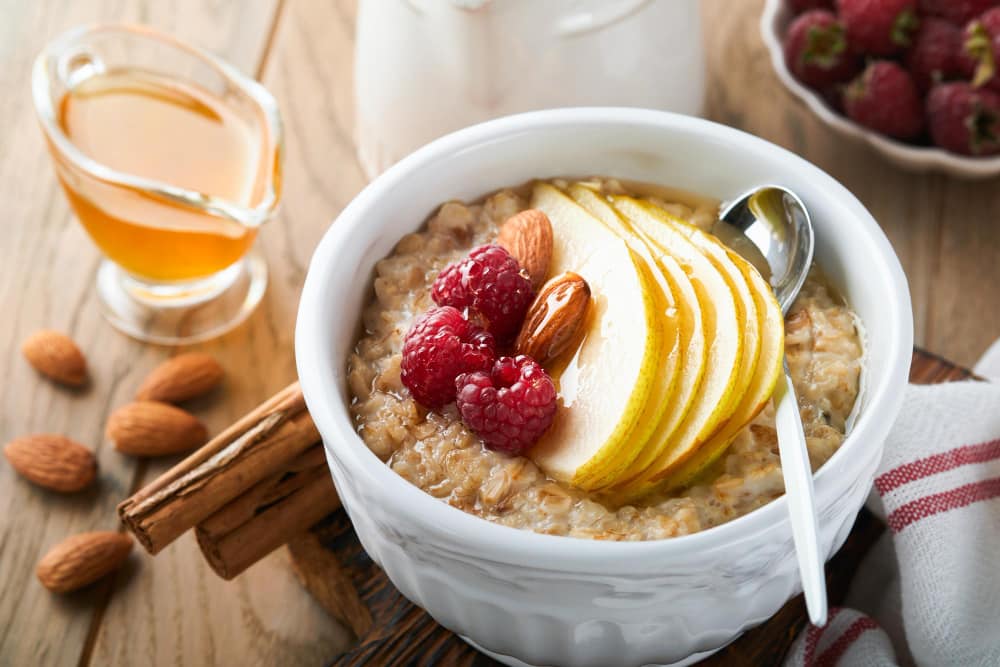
<point>184,377</point>
<point>53,461</point>
<point>56,356</point>
<point>82,559</point>
<point>528,237</point>
<point>151,428</point>
<point>554,318</point>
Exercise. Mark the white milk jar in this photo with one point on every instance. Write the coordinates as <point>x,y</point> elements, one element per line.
<point>424,68</point>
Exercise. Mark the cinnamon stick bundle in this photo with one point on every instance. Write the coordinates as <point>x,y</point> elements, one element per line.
<point>258,446</point>
<point>261,483</point>
<point>269,514</point>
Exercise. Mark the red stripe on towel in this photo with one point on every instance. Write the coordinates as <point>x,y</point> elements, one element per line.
<point>813,635</point>
<point>962,496</point>
<point>932,465</point>
<point>837,649</point>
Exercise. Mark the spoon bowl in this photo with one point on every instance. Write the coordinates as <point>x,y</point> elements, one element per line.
<point>777,223</point>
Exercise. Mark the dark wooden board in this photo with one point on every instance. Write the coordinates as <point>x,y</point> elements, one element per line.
<point>403,634</point>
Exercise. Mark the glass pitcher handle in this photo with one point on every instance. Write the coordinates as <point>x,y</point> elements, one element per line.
<point>77,65</point>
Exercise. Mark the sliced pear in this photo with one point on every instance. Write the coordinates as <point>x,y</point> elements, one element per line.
<point>724,332</point>
<point>746,306</point>
<point>691,350</point>
<point>761,387</point>
<point>661,398</point>
<point>605,387</point>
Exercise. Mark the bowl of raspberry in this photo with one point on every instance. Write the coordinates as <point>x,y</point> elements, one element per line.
<point>917,80</point>
<point>542,376</point>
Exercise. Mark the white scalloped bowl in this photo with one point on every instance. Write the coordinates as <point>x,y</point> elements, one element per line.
<point>773,22</point>
<point>549,600</point>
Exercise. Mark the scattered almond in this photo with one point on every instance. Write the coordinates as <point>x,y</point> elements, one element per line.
<point>151,428</point>
<point>184,377</point>
<point>53,461</point>
<point>56,356</point>
<point>554,318</point>
<point>82,559</point>
<point>528,237</point>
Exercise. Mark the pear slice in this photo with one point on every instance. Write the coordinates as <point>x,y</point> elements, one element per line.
<point>724,335</point>
<point>605,386</point>
<point>660,395</point>
<point>761,387</point>
<point>661,398</point>
<point>692,349</point>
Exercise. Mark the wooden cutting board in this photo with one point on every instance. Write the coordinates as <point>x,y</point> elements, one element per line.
<point>403,634</point>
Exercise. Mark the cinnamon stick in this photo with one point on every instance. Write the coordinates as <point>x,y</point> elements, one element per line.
<point>254,448</point>
<point>320,573</point>
<point>266,493</point>
<point>269,515</point>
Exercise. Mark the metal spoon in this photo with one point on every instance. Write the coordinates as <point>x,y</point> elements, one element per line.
<point>777,224</point>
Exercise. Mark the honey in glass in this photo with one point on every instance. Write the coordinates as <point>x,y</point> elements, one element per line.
<point>151,126</point>
<point>171,159</point>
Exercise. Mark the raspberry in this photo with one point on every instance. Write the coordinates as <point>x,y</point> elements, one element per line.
<point>439,346</point>
<point>958,12</point>
<point>885,99</point>
<point>980,54</point>
<point>509,407</point>
<point>878,27</point>
<point>935,53</point>
<point>799,6</point>
<point>816,50</point>
<point>490,287</point>
<point>963,119</point>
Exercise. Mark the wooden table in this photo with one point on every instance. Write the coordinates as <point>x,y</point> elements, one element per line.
<point>177,611</point>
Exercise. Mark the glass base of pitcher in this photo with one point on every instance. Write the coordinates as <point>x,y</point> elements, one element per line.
<point>179,314</point>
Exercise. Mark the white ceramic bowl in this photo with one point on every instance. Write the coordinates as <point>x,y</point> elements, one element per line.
<point>561,601</point>
<point>773,22</point>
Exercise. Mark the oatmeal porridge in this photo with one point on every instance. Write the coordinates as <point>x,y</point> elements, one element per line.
<point>437,452</point>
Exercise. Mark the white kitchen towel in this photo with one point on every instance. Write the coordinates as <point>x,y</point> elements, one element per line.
<point>928,593</point>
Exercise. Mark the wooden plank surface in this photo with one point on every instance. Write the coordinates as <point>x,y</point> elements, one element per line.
<point>404,634</point>
<point>177,612</point>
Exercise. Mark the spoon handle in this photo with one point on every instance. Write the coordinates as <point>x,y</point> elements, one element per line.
<point>801,502</point>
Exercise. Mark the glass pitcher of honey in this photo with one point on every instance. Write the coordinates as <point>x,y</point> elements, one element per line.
<point>171,160</point>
